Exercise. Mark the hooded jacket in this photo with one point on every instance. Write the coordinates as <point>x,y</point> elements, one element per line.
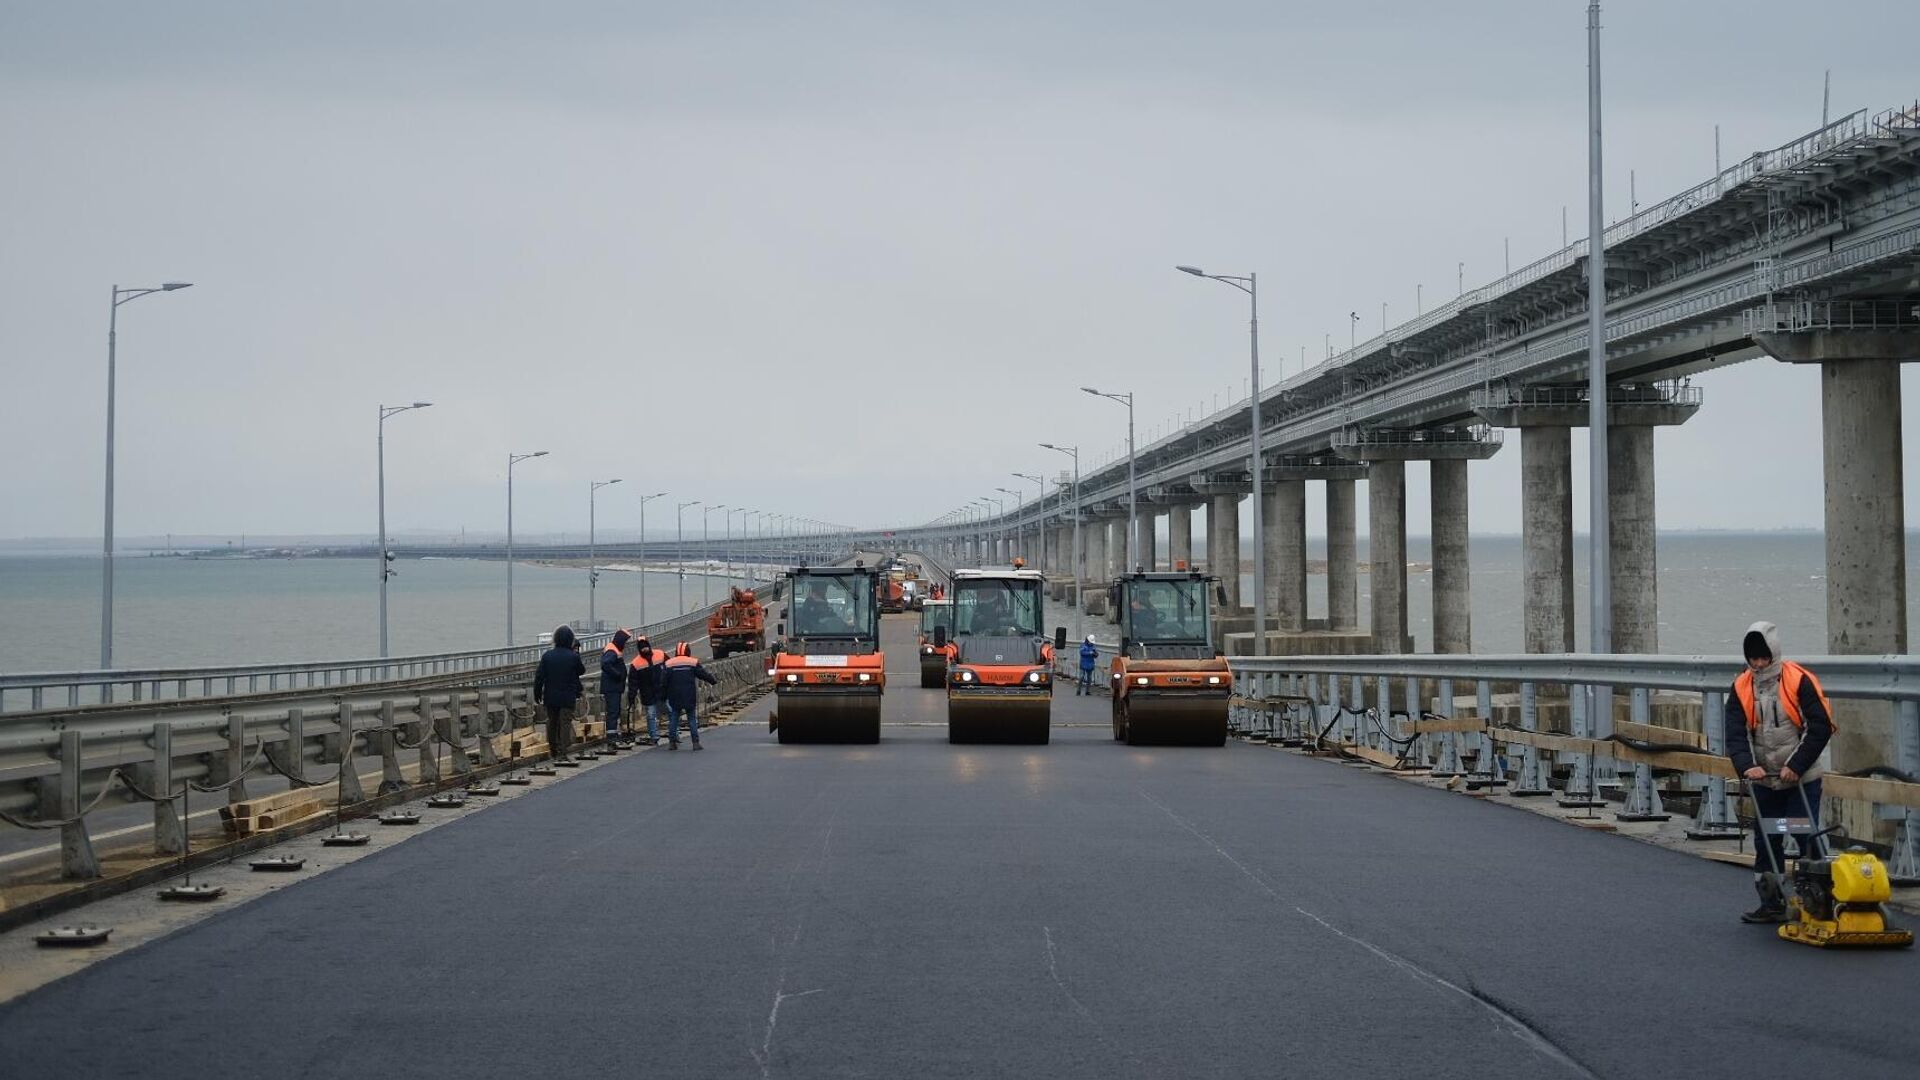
<point>1089,652</point>
<point>643,674</point>
<point>556,682</point>
<point>613,666</point>
<point>1771,739</point>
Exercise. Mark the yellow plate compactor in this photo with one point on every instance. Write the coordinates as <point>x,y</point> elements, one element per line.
<point>1833,901</point>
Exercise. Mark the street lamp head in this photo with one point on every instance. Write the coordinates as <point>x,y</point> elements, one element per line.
<point>172,285</point>
<point>615,480</point>
<point>538,453</point>
<point>1194,270</point>
<point>421,405</point>
<point>1091,390</point>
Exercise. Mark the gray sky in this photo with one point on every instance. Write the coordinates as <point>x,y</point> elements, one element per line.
<point>842,259</point>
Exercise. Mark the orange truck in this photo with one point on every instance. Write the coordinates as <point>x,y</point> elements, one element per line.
<point>738,625</point>
<point>1169,683</point>
<point>827,669</point>
<point>999,661</point>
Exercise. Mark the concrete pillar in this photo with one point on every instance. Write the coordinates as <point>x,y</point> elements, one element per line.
<point>1546,536</point>
<point>1223,545</point>
<point>1116,548</point>
<point>1343,570</point>
<point>1631,544</point>
<point>1180,536</point>
<point>1094,535</point>
<point>1145,553</point>
<point>1286,554</point>
<point>1387,545</point>
<point>1452,584</point>
<point>1866,539</point>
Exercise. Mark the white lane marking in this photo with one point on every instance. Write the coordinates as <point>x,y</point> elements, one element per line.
<point>1053,969</point>
<point>1517,1027</point>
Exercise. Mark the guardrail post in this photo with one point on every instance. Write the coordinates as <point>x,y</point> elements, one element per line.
<point>488,755</point>
<point>1449,764</point>
<point>292,759</point>
<point>1582,791</point>
<point>167,837</point>
<point>1487,768</point>
<point>348,781</point>
<point>1643,799</point>
<point>1534,772</point>
<point>235,768</point>
<point>76,847</point>
<point>455,727</point>
<point>391,778</point>
<point>1905,863</point>
<point>1715,818</point>
<point>427,727</point>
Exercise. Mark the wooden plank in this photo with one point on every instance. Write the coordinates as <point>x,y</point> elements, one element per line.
<point>1650,733</point>
<point>1872,789</point>
<point>1455,724</point>
<point>1374,757</point>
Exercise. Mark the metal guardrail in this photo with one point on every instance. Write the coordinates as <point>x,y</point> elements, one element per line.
<point>1306,698</point>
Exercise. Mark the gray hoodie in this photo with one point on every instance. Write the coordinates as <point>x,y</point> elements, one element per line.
<point>1773,741</point>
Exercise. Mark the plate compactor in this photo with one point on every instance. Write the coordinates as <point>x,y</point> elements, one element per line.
<point>1833,901</point>
<point>828,671</point>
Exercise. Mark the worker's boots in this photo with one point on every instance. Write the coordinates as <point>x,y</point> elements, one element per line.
<point>1773,906</point>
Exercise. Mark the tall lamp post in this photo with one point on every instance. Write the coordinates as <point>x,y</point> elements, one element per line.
<point>1039,521</point>
<point>1250,284</point>
<point>386,557</point>
<point>593,554</point>
<point>644,500</point>
<point>120,296</point>
<point>679,550</point>
<point>1073,560</point>
<point>706,552</point>
<point>512,460</point>
<point>1019,511</point>
<point>1133,490</point>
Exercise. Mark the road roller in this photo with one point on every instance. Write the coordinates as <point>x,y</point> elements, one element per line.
<point>1170,686</point>
<point>999,662</point>
<point>936,619</point>
<point>827,668</point>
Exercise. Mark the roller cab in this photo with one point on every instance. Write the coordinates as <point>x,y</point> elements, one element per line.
<point>936,621</point>
<point>1169,685</point>
<point>827,669</point>
<point>999,670</point>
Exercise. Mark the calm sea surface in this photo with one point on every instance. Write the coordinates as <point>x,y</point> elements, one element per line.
<point>183,612</point>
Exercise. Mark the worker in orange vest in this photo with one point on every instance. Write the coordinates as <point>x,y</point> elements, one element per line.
<point>645,696</point>
<point>1777,726</point>
<point>613,679</point>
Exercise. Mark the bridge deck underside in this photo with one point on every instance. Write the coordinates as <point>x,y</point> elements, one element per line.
<point>914,909</point>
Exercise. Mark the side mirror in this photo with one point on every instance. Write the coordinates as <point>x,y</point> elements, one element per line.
<point>1220,592</point>
<point>1059,638</point>
<point>780,628</point>
<point>939,637</point>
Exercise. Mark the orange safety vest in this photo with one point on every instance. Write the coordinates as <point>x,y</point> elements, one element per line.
<point>612,648</point>
<point>1791,675</point>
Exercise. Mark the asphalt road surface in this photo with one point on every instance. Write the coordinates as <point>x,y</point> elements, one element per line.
<point>915,909</point>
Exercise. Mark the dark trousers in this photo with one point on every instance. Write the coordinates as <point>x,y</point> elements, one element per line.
<point>1779,804</point>
<point>559,729</point>
<point>613,714</point>
<point>1086,681</point>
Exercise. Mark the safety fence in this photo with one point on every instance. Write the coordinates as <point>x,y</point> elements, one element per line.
<point>1528,719</point>
<point>57,769</point>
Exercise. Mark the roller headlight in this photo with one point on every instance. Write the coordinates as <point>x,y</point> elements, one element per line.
<point>771,673</point>
<point>966,676</point>
<point>1213,680</point>
<point>865,677</point>
<point>1140,681</point>
<point>1034,676</point>
<point>793,677</point>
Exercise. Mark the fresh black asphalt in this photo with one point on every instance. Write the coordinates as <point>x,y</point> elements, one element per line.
<point>913,909</point>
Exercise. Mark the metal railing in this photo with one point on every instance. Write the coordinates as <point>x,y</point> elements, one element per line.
<point>1378,706</point>
<point>1797,316</point>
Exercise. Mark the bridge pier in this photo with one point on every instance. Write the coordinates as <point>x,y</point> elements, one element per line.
<point>1223,532</point>
<point>1452,579</point>
<point>1343,569</point>
<point>1116,548</point>
<point>1865,518</point>
<point>1144,554</point>
<point>1387,554</point>
<point>1286,549</point>
<point>1180,536</point>
<point>1094,533</point>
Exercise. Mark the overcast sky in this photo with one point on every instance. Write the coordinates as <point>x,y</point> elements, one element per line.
<point>848,260</point>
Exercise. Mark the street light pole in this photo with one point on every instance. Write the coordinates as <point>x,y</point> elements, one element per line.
<point>386,559</point>
<point>1250,284</point>
<point>120,296</point>
<point>593,555</point>
<point>1133,490</point>
<point>1074,561</point>
<point>679,550</point>
<point>644,500</point>
<point>1600,582</point>
<point>512,460</point>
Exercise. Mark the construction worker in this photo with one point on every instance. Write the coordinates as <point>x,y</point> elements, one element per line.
<point>1777,726</point>
<point>556,686</point>
<point>1089,652</point>
<point>681,676</point>
<point>613,679</point>
<point>643,686</point>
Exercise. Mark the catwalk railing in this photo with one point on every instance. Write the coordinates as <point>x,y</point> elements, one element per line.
<point>1403,712</point>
